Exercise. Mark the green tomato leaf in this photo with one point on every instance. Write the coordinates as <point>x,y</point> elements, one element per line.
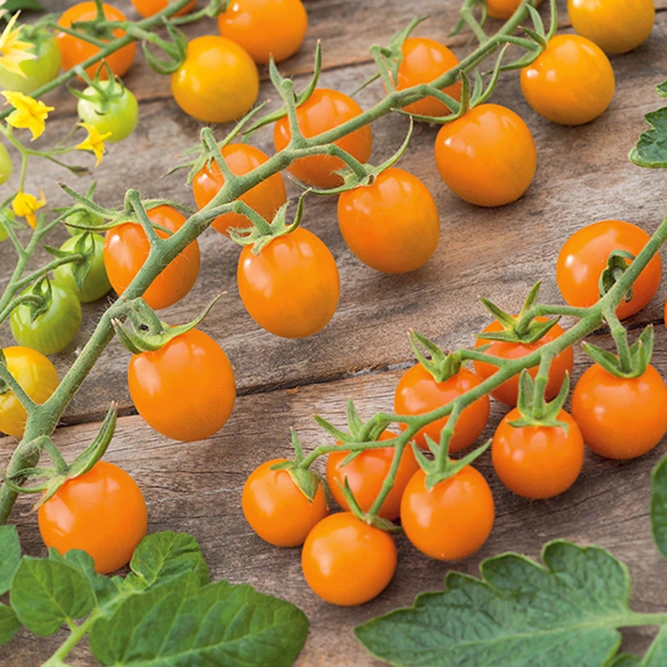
<point>658,509</point>
<point>651,149</point>
<point>10,556</point>
<point>9,624</point>
<point>47,593</point>
<point>177,624</point>
<point>162,556</point>
<point>656,656</point>
<point>26,5</point>
<point>625,660</point>
<point>563,613</point>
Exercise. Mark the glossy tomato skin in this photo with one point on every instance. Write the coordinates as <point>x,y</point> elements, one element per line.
<point>418,392</point>
<point>218,82</point>
<point>365,475</point>
<point>584,257</point>
<point>265,27</point>
<point>620,418</point>
<point>616,26</point>
<point>393,225</point>
<point>453,519</point>
<point>321,112</point>
<point>502,9</point>
<point>186,390</point>
<point>126,249</point>
<point>37,72</point>
<point>487,157</point>
<point>347,562</point>
<point>39,379</point>
<point>424,60</point>
<point>75,51</point>
<point>96,284</point>
<point>571,82</point>
<point>120,117</point>
<point>102,512</point>
<point>265,198</point>
<point>291,288</point>
<point>537,462</point>
<point>277,510</point>
<point>52,331</point>
<point>508,392</point>
<point>151,7</point>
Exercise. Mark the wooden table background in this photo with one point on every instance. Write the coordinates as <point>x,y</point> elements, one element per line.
<point>583,176</point>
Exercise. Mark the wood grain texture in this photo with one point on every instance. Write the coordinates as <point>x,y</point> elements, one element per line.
<point>583,176</point>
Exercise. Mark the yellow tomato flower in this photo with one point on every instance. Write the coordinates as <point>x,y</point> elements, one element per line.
<point>28,112</point>
<point>93,142</point>
<point>25,205</point>
<point>12,50</point>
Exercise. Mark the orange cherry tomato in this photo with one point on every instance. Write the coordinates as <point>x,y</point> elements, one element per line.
<point>392,225</point>
<point>537,461</point>
<point>265,198</point>
<point>584,257</point>
<point>620,418</point>
<point>75,51</point>
<point>265,28</point>
<point>508,392</point>
<point>502,9</point>
<point>424,60</point>
<point>218,82</point>
<point>453,519</point>
<point>418,392</point>
<point>39,379</point>
<point>616,26</point>
<point>277,510</point>
<point>185,390</point>
<point>347,562</point>
<point>321,112</point>
<point>126,249</point>
<point>571,82</point>
<point>102,512</point>
<point>150,7</point>
<point>487,157</point>
<point>366,474</point>
<point>291,288</point>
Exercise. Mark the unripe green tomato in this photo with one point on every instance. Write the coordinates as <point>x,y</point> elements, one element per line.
<point>96,284</point>
<point>6,166</point>
<point>38,72</point>
<point>53,330</point>
<point>120,119</point>
<point>83,219</point>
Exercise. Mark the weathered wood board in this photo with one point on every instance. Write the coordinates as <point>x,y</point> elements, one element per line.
<point>583,176</point>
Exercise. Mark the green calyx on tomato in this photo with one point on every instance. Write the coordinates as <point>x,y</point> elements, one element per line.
<point>261,233</point>
<point>6,166</point>
<point>61,472</point>
<point>519,329</point>
<point>533,407</point>
<point>617,265</point>
<point>175,50</point>
<point>147,332</point>
<point>306,480</point>
<point>108,106</point>
<point>638,356</point>
<point>38,71</point>
<point>85,275</point>
<point>441,365</point>
<point>358,431</point>
<point>48,319</point>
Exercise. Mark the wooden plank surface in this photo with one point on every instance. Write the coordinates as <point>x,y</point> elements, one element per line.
<point>583,176</point>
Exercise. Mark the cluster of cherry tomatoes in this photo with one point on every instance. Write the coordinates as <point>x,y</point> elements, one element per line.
<point>347,560</point>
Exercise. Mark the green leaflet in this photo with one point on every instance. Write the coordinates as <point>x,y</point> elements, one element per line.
<point>220,624</point>
<point>565,613</point>
<point>164,555</point>
<point>47,593</point>
<point>9,624</point>
<point>10,556</point>
<point>651,149</point>
<point>659,506</point>
<point>28,5</point>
